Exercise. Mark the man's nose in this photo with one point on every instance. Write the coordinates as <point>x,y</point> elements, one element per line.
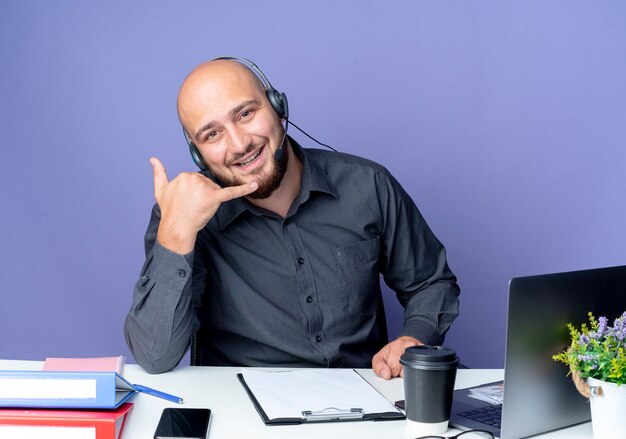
<point>239,140</point>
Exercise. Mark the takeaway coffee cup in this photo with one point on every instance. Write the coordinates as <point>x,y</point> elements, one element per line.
<point>429,375</point>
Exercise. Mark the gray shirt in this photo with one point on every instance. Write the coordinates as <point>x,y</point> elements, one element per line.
<point>303,290</point>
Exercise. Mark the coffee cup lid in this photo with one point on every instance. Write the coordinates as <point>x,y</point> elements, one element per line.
<point>429,357</point>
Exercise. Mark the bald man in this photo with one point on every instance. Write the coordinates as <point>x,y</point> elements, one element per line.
<point>275,261</point>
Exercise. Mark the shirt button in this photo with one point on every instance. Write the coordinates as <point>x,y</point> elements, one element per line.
<point>287,222</point>
<point>182,273</point>
<point>300,261</point>
<point>309,299</point>
<point>318,338</point>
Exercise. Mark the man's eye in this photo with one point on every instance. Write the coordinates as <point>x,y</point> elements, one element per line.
<point>246,113</point>
<point>211,135</point>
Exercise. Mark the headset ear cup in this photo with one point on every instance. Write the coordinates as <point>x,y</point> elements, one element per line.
<point>195,154</point>
<point>278,101</point>
<point>197,159</point>
<point>285,106</point>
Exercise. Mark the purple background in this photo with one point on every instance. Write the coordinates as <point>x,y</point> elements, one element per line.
<point>505,121</point>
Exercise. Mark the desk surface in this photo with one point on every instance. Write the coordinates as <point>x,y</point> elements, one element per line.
<point>234,416</point>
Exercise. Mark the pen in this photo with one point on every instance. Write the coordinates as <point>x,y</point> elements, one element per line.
<point>158,394</point>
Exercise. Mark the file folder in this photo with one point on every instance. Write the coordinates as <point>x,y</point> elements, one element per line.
<point>95,364</point>
<point>63,424</point>
<point>315,395</point>
<point>84,390</point>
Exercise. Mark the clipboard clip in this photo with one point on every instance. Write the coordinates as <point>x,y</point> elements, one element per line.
<point>332,413</point>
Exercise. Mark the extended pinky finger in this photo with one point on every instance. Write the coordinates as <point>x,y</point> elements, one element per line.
<point>230,193</point>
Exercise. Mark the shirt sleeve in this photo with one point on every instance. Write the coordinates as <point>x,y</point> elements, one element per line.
<point>415,266</point>
<point>161,320</point>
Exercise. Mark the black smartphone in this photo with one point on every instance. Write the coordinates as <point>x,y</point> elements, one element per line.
<point>181,423</point>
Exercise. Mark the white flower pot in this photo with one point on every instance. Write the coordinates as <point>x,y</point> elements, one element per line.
<point>608,412</point>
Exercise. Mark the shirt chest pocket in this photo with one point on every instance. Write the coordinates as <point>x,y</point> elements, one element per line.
<point>358,263</point>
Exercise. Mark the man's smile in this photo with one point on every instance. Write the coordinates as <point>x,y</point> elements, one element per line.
<point>251,161</point>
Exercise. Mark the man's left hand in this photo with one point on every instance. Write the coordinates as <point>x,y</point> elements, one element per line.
<point>386,363</point>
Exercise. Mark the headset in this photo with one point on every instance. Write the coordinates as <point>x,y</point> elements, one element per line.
<point>277,99</point>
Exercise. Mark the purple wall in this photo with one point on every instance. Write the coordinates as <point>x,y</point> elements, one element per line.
<point>506,122</point>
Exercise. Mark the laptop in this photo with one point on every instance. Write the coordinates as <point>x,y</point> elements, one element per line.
<point>538,395</point>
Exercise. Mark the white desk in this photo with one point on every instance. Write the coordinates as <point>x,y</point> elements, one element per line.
<point>234,416</point>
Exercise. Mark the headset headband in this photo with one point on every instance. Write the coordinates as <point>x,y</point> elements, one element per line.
<point>252,66</point>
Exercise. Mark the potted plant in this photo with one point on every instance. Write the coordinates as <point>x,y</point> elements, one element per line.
<point>597,361</point>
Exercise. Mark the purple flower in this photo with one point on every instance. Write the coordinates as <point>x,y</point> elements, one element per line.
<point>602,322</point>
<point>619,328</point>
<point>587,357</point>
<point>621,335</point>
<point>583,339</point>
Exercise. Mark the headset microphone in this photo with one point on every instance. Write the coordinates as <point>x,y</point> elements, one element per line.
<point>278,155</point>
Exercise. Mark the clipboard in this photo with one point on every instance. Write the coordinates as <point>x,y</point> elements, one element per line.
<point>315,395</point>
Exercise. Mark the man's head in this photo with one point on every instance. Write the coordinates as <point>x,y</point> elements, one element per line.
<point>224,109</point>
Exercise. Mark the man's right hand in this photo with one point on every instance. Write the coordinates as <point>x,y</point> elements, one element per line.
<point>187,204</point>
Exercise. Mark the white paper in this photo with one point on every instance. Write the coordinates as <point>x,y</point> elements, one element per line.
<point>288,394</point>
<point>39,432</point>
<point>32,388</point>
<point>491,394</point>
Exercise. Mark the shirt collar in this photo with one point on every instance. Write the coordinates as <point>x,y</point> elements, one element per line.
<point>314,179</point>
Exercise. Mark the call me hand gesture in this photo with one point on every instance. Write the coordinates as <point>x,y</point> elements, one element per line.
<point>187,204</point>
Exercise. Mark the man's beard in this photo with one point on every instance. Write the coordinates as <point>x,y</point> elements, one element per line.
<point>268,183</point>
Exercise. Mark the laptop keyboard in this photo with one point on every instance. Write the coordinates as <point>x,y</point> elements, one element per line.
<point>490,415</point>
